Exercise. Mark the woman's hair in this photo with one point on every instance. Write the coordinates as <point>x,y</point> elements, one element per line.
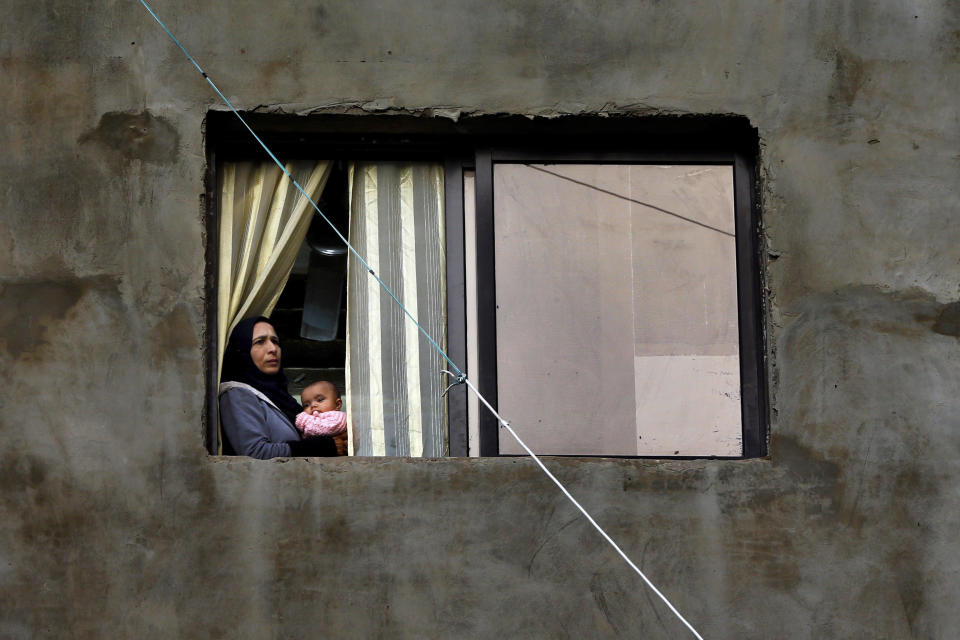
<point>238,366</point>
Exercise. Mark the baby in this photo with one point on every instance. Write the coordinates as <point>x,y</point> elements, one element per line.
<point>321,413</point>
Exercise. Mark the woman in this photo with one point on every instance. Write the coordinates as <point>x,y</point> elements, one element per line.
<point>256,412</point>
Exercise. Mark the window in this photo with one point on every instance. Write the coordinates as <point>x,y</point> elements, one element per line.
<point>599,277</point>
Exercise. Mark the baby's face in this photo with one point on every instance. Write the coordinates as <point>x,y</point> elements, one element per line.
<point>320,396</point>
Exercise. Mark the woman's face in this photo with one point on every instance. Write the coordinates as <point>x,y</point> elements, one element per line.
<point>265,350</point>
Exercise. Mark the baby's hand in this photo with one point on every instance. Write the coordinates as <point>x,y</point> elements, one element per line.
<point>301,421</point>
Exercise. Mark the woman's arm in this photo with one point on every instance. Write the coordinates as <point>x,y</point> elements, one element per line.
<point>244,424</point>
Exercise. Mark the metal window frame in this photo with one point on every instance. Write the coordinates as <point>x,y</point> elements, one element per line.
<point>749,303</point>
<point>478,143</point>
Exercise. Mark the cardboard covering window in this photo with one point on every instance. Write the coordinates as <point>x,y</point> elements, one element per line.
<point>617,323</point>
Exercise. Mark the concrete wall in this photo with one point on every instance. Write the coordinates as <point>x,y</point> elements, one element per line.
<point>115,522</point>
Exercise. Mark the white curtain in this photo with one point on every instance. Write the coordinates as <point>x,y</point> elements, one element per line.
<point>393,380</point>
<point>263,221</point>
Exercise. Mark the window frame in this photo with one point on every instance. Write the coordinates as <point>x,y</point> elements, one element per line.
<point>749,302</point>
<point>477,144</point>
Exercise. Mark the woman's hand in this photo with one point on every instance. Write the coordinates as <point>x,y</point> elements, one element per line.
<point>341,441</point>
<point>313,446</point>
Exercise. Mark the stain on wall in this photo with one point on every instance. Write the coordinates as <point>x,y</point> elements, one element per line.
<point>136,136</point>
<point>849,76</point>
<point>176,333</point>
<point>31,309</point>
<point>948,320</point>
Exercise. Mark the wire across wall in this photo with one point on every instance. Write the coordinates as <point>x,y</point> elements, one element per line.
<point>457,375</point>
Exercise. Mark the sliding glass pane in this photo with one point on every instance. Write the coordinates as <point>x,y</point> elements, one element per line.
<point>617,329</point>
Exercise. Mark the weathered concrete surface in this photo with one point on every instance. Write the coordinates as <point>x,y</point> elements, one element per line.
<point>116,523</point>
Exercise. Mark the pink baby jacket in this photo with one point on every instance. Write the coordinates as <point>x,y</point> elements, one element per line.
<point>328,423</point>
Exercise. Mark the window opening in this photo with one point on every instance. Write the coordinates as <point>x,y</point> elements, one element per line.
<point>607,293</point>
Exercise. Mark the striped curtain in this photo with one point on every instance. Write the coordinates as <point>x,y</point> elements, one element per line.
<point>393,380</point>
<point>263,220</point>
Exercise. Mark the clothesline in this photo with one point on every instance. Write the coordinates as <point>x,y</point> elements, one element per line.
<point>459,375</point>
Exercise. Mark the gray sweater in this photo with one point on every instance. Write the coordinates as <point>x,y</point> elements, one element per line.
<point>253,426</point>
